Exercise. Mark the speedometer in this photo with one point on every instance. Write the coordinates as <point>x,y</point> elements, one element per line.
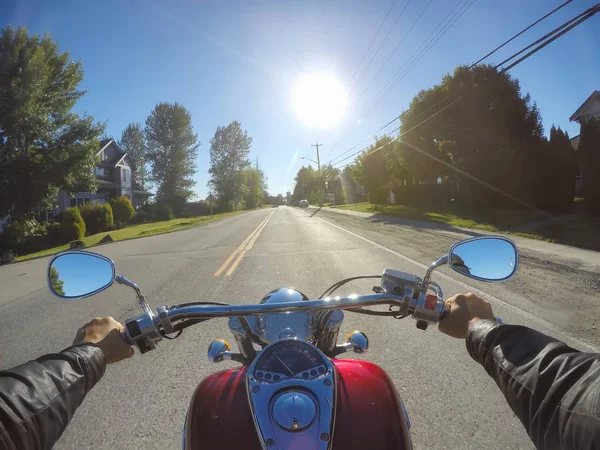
<point>289,359</point>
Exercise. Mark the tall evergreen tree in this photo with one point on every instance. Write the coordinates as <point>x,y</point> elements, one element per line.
<point>132,141</point>
<point>589,159</point>
<point>229,149</point>
<point>171,149</point>
<point>44,146</point>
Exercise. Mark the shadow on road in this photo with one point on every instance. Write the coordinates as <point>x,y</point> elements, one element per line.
<point>316,211</point>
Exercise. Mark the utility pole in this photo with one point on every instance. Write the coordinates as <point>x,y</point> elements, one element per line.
<point>318,160</point>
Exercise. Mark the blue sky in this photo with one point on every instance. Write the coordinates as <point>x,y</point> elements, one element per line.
<point>239,60</point>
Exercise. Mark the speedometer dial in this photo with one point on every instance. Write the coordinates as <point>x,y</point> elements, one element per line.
<point>289,359</point>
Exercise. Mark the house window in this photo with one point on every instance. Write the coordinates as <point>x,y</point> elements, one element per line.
<point>50,215</point>
<point>125,171</point>
<point>101,171</point>
<point>78,201</point>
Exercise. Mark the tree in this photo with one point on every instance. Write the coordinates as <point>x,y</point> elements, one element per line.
<point>133,143</point>
<point>307,181</point>
<point>378,167</point>
<point>487,129</point>
<point>56,282</point>
<point>171,149</point>
<point>589,143</point>
<point>249,187</point>
<point>229,149</point>
<point>560,167</point>
<point>44,146</point>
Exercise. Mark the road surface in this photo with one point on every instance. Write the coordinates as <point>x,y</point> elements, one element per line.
<point>141,403</point>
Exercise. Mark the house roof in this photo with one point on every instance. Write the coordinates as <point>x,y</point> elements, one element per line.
<point>115,159</point>
<point>139,191</point>
<point>106,184</point>
<point>583,111</point>
<point>575,142</point>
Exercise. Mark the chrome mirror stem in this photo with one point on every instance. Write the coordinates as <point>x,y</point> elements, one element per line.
<point>141,299</point>
<point>440,262</point>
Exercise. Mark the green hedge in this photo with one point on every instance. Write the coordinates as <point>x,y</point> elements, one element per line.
<point>97,217</point>
<point>72,226</point>
<point>122,209</point>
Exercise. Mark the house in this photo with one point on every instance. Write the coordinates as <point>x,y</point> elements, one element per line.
<point>590,109</point>
<point>114,177</point>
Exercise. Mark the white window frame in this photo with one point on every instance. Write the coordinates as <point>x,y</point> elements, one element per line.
<point>124,173</point>
<point>100,171</point>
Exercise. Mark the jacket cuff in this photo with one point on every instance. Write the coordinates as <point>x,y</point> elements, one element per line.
<point>476,338</point>
<point>93,362</point>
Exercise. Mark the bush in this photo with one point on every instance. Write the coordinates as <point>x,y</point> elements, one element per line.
<point>97,217</point>
<point>122,209</point>
<point>23,235</point>
<point>72,226</point>
<point>196,209</point>
<point>54,234</point>
<point>162,211</point>
<point>139,217</point>
<point>176,202</point>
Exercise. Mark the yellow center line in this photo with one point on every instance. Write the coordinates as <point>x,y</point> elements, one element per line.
<point>242,245</point>
<point>248,246</point>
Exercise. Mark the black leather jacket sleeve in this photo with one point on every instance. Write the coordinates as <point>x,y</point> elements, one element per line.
<point>553,389</point>
<point>39,398</point>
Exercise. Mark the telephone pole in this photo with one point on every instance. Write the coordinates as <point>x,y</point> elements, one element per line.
<point>318,160</point>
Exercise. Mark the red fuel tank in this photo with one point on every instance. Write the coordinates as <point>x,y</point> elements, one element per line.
<point>369,411</point>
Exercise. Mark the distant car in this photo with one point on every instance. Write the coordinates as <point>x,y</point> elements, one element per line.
<point>303,204</point>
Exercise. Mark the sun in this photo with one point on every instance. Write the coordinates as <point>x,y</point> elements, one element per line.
<point>319,100</point>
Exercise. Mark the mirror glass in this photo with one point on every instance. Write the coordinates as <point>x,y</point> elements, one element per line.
<point>76,275</point>
<point>489,259</point>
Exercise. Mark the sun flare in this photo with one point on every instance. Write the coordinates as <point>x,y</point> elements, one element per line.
<point>319,100</point>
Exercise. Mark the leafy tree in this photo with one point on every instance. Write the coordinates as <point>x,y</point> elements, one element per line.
<point>249,187</point>
<point>132,141</point>
<point>589,158</point>
<point>171,149</point>
<point>56,282</point>
<point>307,181</point>
<point>487,129</point>
<point>229,148</point>
<point>377,167</point>
<point>44,146</point>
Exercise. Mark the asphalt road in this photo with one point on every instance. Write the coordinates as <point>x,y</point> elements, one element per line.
<point>141,403</point>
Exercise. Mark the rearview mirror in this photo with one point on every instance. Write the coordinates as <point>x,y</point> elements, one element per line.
<point>490,258</point>
<point>77,274</point>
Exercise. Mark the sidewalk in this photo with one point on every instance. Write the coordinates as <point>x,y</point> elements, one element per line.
<point>587,257</point>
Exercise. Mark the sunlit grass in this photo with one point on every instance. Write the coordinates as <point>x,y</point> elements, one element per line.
<point>577,231</point>
<point>134,231</point>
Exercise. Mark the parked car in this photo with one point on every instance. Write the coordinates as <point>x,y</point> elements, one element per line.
<point>303,204</point>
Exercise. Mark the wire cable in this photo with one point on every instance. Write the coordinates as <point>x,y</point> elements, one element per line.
<point>441,25</point>
<point>582,18</point>
<point>480,60</point>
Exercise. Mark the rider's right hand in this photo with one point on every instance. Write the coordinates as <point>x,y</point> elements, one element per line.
<point>461,311</point>
<point>105,332</point>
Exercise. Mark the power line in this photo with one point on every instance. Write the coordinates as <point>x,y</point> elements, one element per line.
<point>371,44</point>
<point>582,18</point>
<point>398,79</point>
<point>445,26</point>
<point>379,48</point>
<point>394,51</point>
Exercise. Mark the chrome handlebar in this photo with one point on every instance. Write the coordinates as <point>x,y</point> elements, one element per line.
<point>147,329</point>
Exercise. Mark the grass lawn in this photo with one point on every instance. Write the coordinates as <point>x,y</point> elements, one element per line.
<point>577,231</point>
<point>134,231</point>
<point>489,220</point>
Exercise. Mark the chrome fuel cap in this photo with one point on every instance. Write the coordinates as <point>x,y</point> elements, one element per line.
<point>294,411</point>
